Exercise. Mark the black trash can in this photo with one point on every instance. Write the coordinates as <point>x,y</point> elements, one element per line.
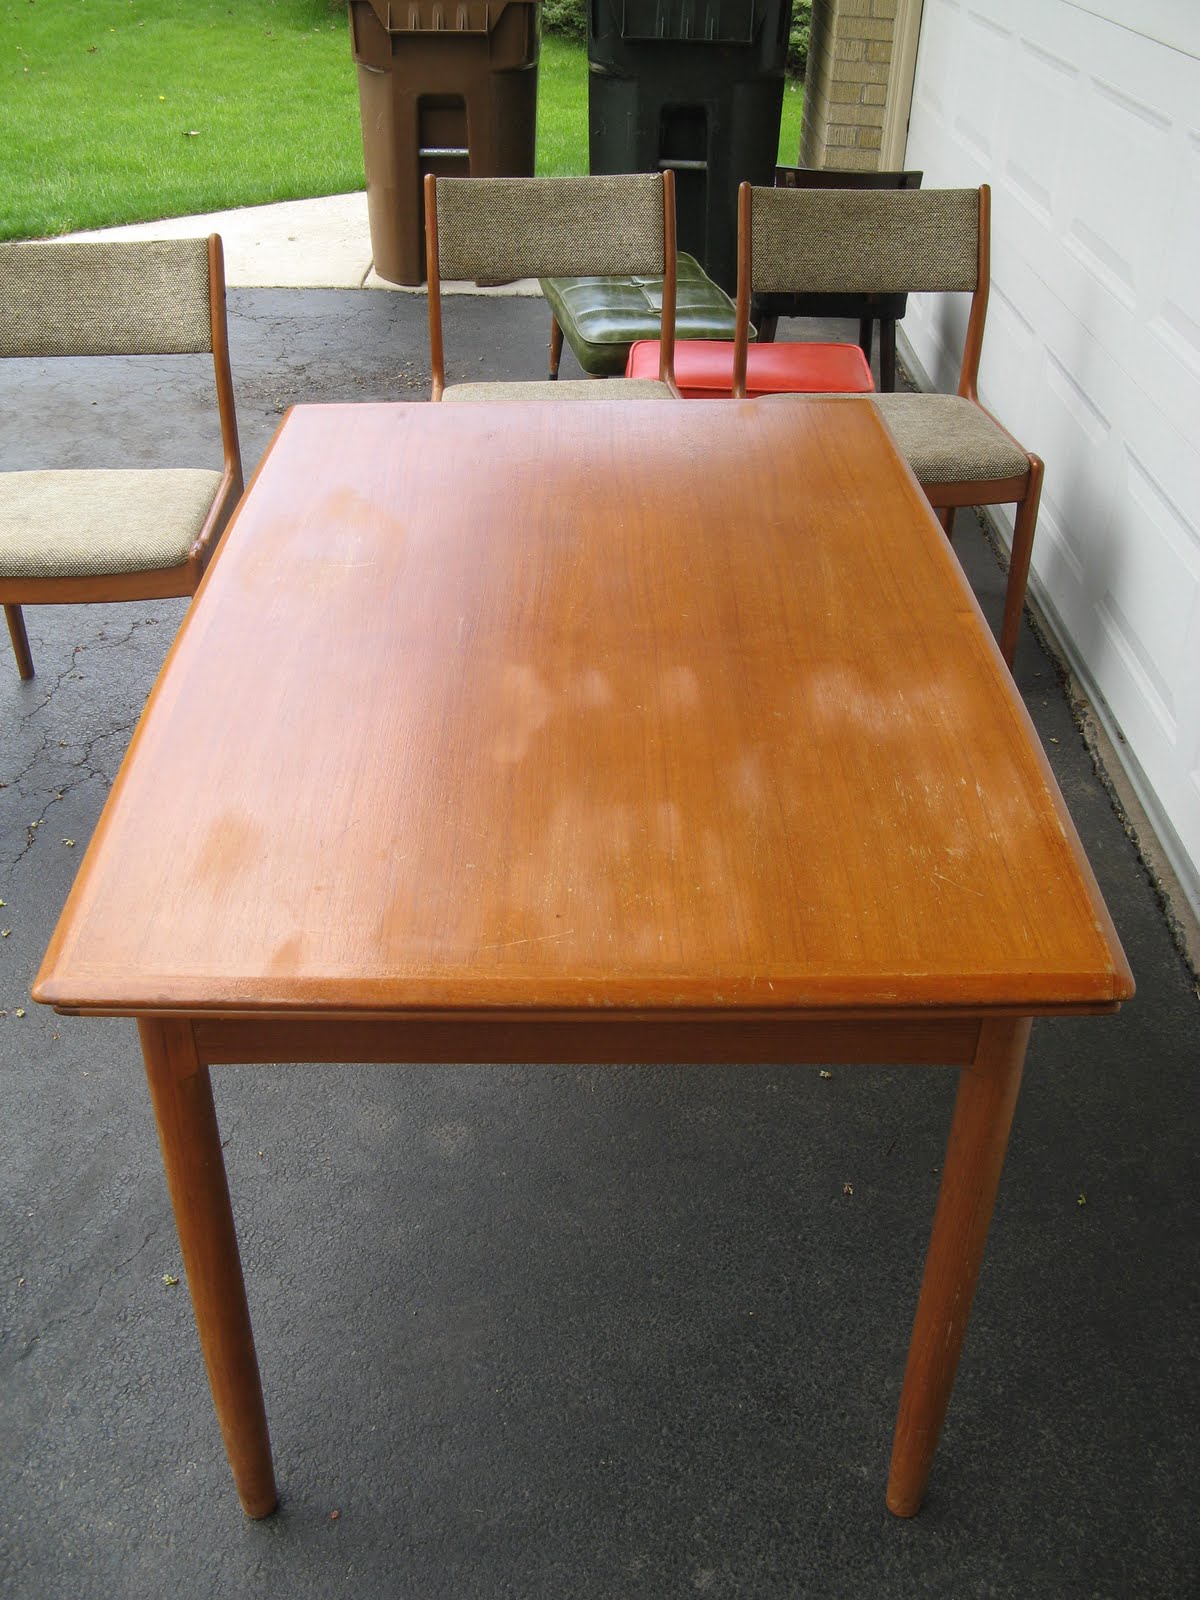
<point>697,86</point>
<point>449,88</point>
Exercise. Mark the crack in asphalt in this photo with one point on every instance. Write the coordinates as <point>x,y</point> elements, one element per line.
<point>75,1314</point>
<point>76,762</point>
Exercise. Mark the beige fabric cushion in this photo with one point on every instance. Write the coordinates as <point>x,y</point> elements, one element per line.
<point>946,439</point>
<point>864,241</point>
<point>573,389</point>
<point>550,227</point>
<point>104,297</point>
<point>89,523</point>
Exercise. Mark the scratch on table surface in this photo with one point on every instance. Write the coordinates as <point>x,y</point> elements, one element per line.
<point>539,938</point>
<point>955,884</point>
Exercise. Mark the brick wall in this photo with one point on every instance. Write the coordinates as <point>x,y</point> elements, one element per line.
<point>846,87</point>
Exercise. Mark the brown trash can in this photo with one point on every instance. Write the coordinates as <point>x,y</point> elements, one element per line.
<point>444,86</point>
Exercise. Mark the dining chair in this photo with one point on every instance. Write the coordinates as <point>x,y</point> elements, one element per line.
<point>890,242</point>
<point>866,309</point>
<point>496,229</point>
<point>72,535</point>
<point>704,368</point>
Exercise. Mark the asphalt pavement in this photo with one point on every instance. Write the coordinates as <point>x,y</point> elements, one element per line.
<point>560,1331</point>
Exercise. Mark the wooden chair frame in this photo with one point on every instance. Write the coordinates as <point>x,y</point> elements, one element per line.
<point>165,582</point>
<point>666,365</point>
<point>1023,491</point>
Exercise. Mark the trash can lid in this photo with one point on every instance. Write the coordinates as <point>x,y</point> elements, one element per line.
<point>691,21</point>
<point>441,16</point>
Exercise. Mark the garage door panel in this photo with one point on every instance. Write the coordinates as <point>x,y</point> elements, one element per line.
<point>934,87</point>
<point>1083,117</point>
<point>978,115</point>
<point>1079,471</point>
<point>1119,149</point>
<point>1046,87</point>
<point>1178,322</point>
<point>1152,593</point>
<point>942,322</point>
<point>1014,357</point>
<point>1061,563</point>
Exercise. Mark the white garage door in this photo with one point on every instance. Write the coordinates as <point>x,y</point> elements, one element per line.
<point>1085,118</point>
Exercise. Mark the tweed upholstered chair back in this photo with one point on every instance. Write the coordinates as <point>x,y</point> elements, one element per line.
<point>122,532</point>
<point>865,241</point>
<point>537,227</point>
<point>872,241</point>
<point>132,298</point>
<point>498,229</point>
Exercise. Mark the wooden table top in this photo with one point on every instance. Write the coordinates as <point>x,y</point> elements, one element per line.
<point>573,707</point>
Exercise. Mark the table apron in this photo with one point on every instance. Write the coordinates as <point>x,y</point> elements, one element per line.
<point>600,1039</point>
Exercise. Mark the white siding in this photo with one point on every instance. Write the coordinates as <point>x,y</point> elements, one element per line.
<point>1085,119</point>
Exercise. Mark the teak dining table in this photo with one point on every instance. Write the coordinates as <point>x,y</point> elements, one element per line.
<point>584,733</point>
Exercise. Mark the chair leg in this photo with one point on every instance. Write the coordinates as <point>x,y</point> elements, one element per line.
<point>556,344</point>
<point>768,326</point>
<point>1018,565</point>
<point>946,517</point>
<point>887,355</point>
<point>20,640</point>
<point>866,334</point>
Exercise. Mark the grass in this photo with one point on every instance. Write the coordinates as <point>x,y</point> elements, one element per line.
<point>129,110</point>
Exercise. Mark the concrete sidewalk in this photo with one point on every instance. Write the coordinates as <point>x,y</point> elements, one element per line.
<point>295,244</point>
<point>558,1331</point>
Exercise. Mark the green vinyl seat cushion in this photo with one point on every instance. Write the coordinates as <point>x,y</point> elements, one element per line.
<point>601,317</point>
<point>85,524</point>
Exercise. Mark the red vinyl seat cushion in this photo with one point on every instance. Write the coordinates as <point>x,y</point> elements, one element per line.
<point>704,368</point>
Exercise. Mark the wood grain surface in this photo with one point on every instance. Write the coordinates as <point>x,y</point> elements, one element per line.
<point>606,706</point>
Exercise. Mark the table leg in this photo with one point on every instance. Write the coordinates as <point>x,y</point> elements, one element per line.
<point>191,1147</point>
<point>983,1112</point>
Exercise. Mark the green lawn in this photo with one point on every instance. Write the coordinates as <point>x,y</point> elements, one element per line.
<point>128,110</point>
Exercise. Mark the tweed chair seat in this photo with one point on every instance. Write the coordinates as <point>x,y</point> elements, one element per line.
<point>85,524</point>
<point>945,439</point>
<point>574,389</point>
